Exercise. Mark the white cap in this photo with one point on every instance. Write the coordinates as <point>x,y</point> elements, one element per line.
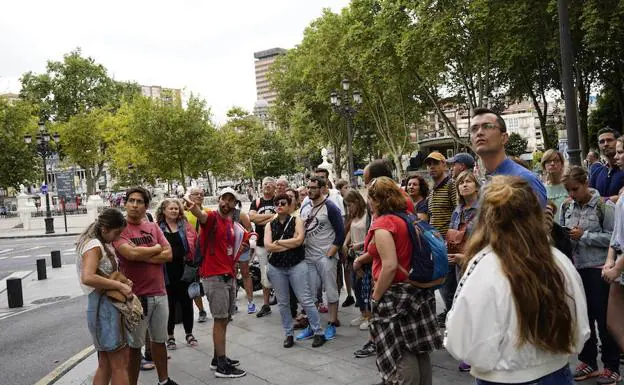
<point>228,190</point>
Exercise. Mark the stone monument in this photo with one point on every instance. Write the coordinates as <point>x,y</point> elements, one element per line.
<point>326,165</point>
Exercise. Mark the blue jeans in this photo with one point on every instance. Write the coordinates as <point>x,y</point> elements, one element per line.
<point>562,376</point>
<point>297,278</point>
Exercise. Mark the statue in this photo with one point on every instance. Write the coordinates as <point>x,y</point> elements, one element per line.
<point>23,190</point>
<point>326,165</point>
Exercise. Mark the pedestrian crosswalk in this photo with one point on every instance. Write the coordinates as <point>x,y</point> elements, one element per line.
<point>64,253</point>
<point>6,251</point>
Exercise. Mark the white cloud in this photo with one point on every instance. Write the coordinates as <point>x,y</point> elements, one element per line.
<point>204,46</point>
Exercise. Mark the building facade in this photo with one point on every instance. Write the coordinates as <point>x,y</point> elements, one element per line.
<point>169,95</point>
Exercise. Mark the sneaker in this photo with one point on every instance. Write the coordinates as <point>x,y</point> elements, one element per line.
<point>349,301</point>
<point>608,377</point>
<point>264,310</point>
<point>323,309</point>
<point>306,334</point>
<point>368,350</point>
<point>251,308</point>
<point>319,340</point>
<point>357,321</point>
<point>330,332</point>
<point>364,325</point>
<point>171,344</point>
<point>170,382</point>
<point>213,363</point>
<point>584,371</point>
<point>273,299</point>
<point>229,371</point>
<point>463,367</point>
<point>203,317</point>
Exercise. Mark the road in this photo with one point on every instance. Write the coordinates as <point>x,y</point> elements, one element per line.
<point>36,342</point>
<point>21,254</point>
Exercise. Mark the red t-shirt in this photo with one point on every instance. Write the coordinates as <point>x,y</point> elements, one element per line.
<point>216,240</point>
<point>397,227</point>
<point>410,204</point>
<point>148,278</point>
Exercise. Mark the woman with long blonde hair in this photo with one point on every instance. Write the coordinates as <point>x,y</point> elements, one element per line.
<point>519,311</point>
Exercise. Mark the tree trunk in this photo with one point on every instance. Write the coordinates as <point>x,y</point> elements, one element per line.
<point>399,166</point>
<point>182,174</point>
<point>337,161</point>
<point>89,181</point>
<point>583,116</point>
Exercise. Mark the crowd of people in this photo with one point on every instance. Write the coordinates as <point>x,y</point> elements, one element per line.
<point>535,273</point>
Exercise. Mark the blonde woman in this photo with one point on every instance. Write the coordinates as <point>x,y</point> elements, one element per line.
<point>519,311</point>
<point>553,165</point>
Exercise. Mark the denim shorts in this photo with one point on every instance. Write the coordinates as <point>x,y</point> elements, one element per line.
<point>244,257</point>
<point>562,376</point>
<point>105,325</point>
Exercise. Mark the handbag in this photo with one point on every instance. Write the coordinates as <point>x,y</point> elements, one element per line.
<point>455,240</point>
<point>130,309</point>
<point>190,272</point>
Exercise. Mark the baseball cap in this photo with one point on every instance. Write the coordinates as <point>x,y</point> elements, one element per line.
<point>463,158</point>
<point>228,190</point>
<point>435,155</point>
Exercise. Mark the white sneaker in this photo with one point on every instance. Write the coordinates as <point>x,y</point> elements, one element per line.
<point>357,321</point>
<point>364,325</point>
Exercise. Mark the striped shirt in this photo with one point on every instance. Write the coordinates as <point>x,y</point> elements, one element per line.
<point>442,203</point>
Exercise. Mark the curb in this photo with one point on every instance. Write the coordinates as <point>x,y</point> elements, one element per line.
<point>40,236</point>
<point>65,367</point>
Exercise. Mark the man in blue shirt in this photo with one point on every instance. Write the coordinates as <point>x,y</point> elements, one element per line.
<point>608,179</point>
<point>488,134</point>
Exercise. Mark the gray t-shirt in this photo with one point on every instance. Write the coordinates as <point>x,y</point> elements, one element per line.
<point>323,228</point>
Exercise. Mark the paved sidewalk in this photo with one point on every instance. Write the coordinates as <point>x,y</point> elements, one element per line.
<point>257,343</point>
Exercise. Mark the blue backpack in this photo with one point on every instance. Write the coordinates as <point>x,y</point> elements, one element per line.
<point>429,263</point>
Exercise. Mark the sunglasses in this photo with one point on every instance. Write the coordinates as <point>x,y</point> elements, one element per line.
<point>282,203</point>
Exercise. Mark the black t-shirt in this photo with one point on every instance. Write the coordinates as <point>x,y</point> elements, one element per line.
<point>175,268</point>
<point>264,207</point>
<point>286,230</point>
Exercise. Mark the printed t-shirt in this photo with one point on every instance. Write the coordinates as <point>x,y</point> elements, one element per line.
<point>216,241</point>
<point>266,206</point>
<point>402,242</point>
<point>148,278</point>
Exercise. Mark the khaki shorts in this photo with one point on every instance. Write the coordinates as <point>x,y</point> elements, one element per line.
<point>155,320</point>
<point>263,258</point>
<point>221,294</point>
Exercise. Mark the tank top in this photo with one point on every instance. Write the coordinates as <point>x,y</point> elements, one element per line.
<point>290,257</point>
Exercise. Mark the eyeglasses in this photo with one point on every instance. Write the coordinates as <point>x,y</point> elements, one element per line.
<point>486,127</point>
<point>282,203</point>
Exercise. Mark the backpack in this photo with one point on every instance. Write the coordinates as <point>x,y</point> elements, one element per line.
<point>429,261</point>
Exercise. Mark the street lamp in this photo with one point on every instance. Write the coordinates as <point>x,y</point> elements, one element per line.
<point>44,150</point>
<point>341,103</point>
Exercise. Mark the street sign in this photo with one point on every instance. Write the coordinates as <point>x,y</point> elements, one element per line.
<point>65,184</point>
<point>44,189</point>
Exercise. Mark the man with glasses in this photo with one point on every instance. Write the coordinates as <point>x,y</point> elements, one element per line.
<point>608,179</point>
<point>324,236</point>
<point>488,135</point>
<point>261,212</point>
<point>196,195</point>
<point>142,250</point>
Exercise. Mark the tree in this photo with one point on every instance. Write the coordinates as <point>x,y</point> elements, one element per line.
<point>516,145</point>
<point>18,162</point>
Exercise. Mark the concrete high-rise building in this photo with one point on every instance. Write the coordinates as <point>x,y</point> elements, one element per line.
<point>165,94</point>
<point>264,92</point>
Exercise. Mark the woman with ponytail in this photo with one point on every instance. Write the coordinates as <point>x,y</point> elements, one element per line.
<point>519,311</point>
<point>95,262</point>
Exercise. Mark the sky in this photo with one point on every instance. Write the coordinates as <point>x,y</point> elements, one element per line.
<point>204,47</point>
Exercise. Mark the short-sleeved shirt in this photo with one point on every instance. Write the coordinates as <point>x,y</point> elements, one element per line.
<point>442,203</point>
<point>422,207</point>
<point>608,181</point>
<point>148,278</point>
<point>323,228</point>
<point>402,242</point>
<point>511,168</point>
<point>216,241</point>
<point>265,206</point>
<point>105,263</point>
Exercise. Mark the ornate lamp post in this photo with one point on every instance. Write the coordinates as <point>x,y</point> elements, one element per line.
<point>44,150</point>
<point>341,102</point>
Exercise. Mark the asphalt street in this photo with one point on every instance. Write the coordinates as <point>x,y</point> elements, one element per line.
<point>21,254</point>
<point>36,342</point>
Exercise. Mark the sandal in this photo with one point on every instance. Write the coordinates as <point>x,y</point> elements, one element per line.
<point>171,344</point>
<point>190,340</point>
<point>147,365</point>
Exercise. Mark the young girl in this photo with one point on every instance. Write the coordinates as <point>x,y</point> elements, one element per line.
<point>95,261</point>
<point>519,310</point>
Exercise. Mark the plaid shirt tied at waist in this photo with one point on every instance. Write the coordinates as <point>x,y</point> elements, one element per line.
<point>404,319</point>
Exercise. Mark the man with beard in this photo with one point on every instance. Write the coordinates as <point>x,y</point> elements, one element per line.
<point>608,179</point>
<point>218,273</point>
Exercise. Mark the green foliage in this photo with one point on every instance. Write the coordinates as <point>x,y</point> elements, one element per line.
<point>18,161</point>
<point>516,145</point>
